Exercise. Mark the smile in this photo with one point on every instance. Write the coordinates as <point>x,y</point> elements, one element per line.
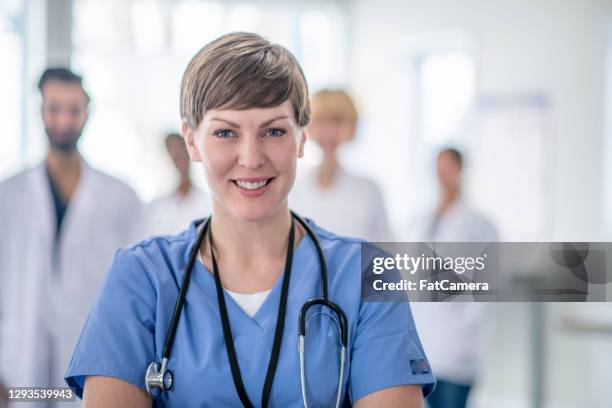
<point>253,185</point>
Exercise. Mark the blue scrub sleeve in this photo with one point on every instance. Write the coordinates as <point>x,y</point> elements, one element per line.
<point>118,337</point>
<point>387,351</point>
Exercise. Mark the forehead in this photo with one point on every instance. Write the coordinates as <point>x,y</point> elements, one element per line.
<point>251,115</point>
<point>331,106</point>
<point>60,91</point>
<point>446,158</point>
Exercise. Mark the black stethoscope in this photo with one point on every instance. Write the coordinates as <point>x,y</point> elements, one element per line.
<point>159,378</point>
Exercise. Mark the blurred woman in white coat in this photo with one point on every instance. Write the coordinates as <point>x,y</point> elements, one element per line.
<point>339,200</point>
<point>452,332</point>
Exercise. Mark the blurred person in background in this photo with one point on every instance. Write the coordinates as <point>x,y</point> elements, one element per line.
<point>174,212</point>
<point>340,201</point>
<point>452,332</point>
<point>61,223</point>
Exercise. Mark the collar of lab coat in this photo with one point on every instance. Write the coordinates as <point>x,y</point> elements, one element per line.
<point>457,208</point>
<point>40,184</point>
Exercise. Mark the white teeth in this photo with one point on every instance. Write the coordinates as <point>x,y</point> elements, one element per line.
<point>251,186</point>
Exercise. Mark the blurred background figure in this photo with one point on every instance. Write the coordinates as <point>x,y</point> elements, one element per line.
<point>336,199</point>
<point>172,213</point>
<point>452,220</point>
<point>61,222</point>
<point>452,332</point>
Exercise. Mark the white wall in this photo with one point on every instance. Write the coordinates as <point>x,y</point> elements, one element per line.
<point>554,47</point>
<point>551,46</point>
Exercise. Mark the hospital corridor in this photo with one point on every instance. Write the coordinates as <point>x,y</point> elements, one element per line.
<point>300,203</point>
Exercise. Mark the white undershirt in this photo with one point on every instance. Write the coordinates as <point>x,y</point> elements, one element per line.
<point>249,302</point>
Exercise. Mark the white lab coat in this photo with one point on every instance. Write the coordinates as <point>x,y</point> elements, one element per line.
<point>352,206</point>
<point>172,213</point>
<point>452,333</point>
<point>46,293</point>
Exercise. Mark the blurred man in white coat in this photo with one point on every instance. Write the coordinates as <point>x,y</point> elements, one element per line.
<point>172,213</point>
<point>451,332</point>
<point>61,222</point>
<point>336,199</point>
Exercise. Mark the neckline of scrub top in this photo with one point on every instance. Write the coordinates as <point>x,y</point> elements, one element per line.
<point>249,302</point>
<point>268,311</point>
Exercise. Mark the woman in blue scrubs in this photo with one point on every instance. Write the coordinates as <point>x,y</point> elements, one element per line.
<point>244,104</point>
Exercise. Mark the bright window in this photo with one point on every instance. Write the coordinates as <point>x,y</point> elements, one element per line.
<point>11,83</point>
<point>447,95</point>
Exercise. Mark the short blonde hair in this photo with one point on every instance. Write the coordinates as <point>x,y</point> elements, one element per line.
<point>334,102</point>
<point>242,71</point>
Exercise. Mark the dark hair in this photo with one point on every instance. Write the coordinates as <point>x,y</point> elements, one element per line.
<point>242,71</point>
<point>172,136</point>
<point>63,75</point>
<point>454,153</point>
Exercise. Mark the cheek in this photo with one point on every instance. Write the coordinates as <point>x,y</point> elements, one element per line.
<point>48,120</point>
<point>216,159</point>
<point>80,122</point>
<point>346,132</point>
<point>284,158</point>
<point>329,135</point>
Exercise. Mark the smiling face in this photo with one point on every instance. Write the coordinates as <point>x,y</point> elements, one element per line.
<point>249,158</point>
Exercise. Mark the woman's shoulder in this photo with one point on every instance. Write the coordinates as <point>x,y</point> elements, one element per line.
<point>341,251</point>
<point>158,254</point>
<point>330,238</point>
<point>340,247</point>
<point>156,242</point>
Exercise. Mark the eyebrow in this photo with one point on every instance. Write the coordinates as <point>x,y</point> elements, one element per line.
<point>266,123</point>
<point>229,122</point>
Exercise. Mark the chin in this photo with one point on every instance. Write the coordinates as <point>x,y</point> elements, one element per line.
<point>253,212</point>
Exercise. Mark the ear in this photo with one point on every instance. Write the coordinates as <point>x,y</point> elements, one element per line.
<point>189,134</point>
<point>302,141</point>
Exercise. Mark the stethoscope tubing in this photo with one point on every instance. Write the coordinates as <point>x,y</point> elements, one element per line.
<point>156,374</point>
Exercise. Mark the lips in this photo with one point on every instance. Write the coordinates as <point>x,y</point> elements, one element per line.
<point>252,186</point>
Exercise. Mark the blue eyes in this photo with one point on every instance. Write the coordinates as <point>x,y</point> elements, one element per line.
<point>276,132</point>
<point>227,133</point>
<point>223,133</point>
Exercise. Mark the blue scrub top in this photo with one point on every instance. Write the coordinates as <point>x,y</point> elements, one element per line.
<point>127,327</point>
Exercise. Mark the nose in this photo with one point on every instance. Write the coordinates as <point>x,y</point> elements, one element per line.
<point>252,152</point>
<point>64,120</point>
<point>61,119</point>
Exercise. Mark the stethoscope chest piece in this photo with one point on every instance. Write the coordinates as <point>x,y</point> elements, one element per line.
<point>158,378</point>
